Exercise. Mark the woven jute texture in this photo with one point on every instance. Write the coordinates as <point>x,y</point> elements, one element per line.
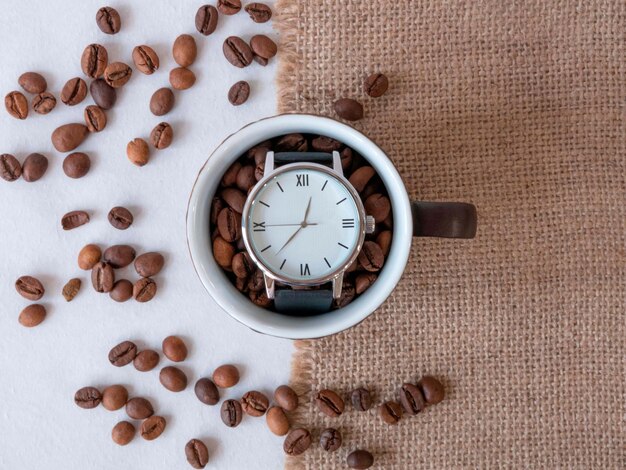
<point>517,107</point>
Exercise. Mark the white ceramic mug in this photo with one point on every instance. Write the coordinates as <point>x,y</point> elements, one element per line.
<point>463,225</point>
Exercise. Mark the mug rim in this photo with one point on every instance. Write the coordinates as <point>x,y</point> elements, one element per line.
<point>221,289</point>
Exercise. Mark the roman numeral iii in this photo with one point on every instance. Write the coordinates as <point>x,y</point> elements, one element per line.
<point>347,223</point>
<point>302,180</point>
<point>304,270</point>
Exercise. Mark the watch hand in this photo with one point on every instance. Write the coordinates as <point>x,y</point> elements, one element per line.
<point>287,225</point>
<point>306,213</point>
<point>290,238</point>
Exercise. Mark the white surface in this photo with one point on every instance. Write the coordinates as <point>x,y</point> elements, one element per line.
<point>42,367</point>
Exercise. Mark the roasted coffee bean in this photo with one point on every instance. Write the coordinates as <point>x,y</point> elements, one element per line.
<point>29,287</point>
<point>390,412</point>
<point>237,51</point>
<point>361,399</point>
<point>371,257</point>
<point>152,427</point>
<point>16,105</point>
<point>95,118</point>
<point>145,59</point>
<point>149,264</point>
<point>89,256</point>
<point>292,143</point>
<point>32,315</point>
<point>69,136</point>
<point>277,421</point>
<point>254,403</point>
<point>256,282</point>
<point>146,360</point>
<point>239,93</point>
<point>226,376</point>
<point>74,219</point>
<point>360,459</point>
<point>378,206</point>
<point>197,453</point>
<point>216,206</point>
<point>384,241</point>
<point>376,85</point>
<point>33,82</point>
<point>182,78</point>
<point>346,158</point>
<point>286,398</point>
<point>411,399</point>
<point>123,433</point>
<point>329,403</point>
<point>119,256</point>
<point>174,349</point>
<point>71,288</point>
<point>102,277</point>
<point>234,198</point>
<point>44,102</point>
<point>223,252</point>
<point>162,101</point>
<point>122,290</point>
<point>74,91</point>
<point>10,168</point>
<point>139,408</point>
<point>349,109</point>
<point>348,293</point>
<point>259,171</point>
<point>432,389</point>
<point>260,299</point>
<point>120,218</point>
<point>231,413</point>
<point>108,20</point>
<point>94,60</point>
<point>76,165</point>
<point>229,224</point>
<point>103,94</point>
<point>144,289</point>
<point>330,440</point>
<point>206,19</point>
<point>207,392</point>
<point>259,12</point>
<point>228,7</point>
<point>297,442</point>
<point>241,284</point>
<point>123,354</point>
<point>245,178</point>
<point>230,177</point>
<point>259,151</point>
<point>88,397</point>
<point>161,136</point>
<point>114,397</point>
<point>34,167</point>
<point>117,74</point>
<point>364,282</point>
<point>138,151</point>
<point>185,50</point>
<point>242,264</point>
<point>263,48</point>
<point>325,144</point>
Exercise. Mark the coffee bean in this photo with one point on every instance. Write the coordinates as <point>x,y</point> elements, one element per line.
<point>349,109</point>
<point>138,151</point>
<point>260,299</point>
<point>259,12</point>
<point>292,143</point>
<point>277,421</point>
<point>95,118</point>
<point>69,136</point>
<point>207,392</point>
<point>44,102</point>
<point>226,376</point>
<point>329,403</point>
<point>16,105</point>
<point>228,7</point>
<point>32,315</point>
<point>197,453</point>
<point>237,51</point>
<point>74,219</point>
<point>364,282</point>
<point>390,412</point>
<point>231,413</point>
<point>174,349</point>
<point>330,440</point>
<point>223,252</point>
<point>34,167</point>
<point>371,257</point>
<point>229,224</point>
<point>103,94</point>
<point>32,82</point>
<point>384,241</point>
<point>206,19</point>
<point>114,397</point>
<point>259,151</point>
<point>234,198</point>
<point>242,264</point>
<point>139,408</point>
<point>256,282</point>
<point>108,20</point>
<point>149,264</point>
<point>120,218</point>
<point>117,74</point>
<point>185,50</point>
<point>360,459</point>
<point>89,256</point>
<point>263,48</point>
<point>94,60</point>
<point>123,354</point>
<point>348,293</point>
<point>29,287</point>
<point>216,206</point>
<point>88,397</point>
<point>432,389</point>
<point>102,277</point>
<point>161,136</point>
<point>378,206</point>
<point>411,399</point>
<point>76,165</point>
<point>254,403</point>
<point>361,399</point>
<point>144,289</point>
<point>119,256</point>
<point>245,178</point>
<point>346,158</point>
<point>122,290</point>
<point>241,284</point>
<point>123,433</point>
<point>162,101</point>
<point>152,427</point>
<point>376,85</point>
<point>10,168</point>
<point>259,171</point>
<point>325,144</point>
<point>74,91</point>
<point>145,59</point>
<point>286,398</point>
<point>230,177</point>
<point>146,360</point>
<point>71,288</point>
<point>182,78</point>
<point>239,93</point>
<point>297,442</point>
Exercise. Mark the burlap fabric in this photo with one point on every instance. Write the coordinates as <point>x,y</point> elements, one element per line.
<point>517,107</point>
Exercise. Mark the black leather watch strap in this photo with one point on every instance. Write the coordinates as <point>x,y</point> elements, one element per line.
<point>283,158</point>
<point>303,303</point>
<point>444,219</point>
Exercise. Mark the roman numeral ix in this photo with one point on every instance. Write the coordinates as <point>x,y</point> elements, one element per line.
<point>258,227</point>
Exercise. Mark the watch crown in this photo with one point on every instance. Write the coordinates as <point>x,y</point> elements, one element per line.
<point>370,224</point>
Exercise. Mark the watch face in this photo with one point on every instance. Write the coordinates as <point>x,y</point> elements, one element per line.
<point>303,224</point>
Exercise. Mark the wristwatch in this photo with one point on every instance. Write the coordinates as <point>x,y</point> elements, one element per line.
<point>303,225</point>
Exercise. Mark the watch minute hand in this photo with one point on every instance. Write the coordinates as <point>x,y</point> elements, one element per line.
<point>287,225</point>
<point>290,238</point>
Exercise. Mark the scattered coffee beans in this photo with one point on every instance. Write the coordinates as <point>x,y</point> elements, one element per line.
<point>145,59</point>
<point>411,399</point>
<point>152,427</point>
<point>117,74</point>
<point>123,354</point>
<point>32,315</point>
<point>297,442</point>
<point>114,397</point>
<point>69,136</point>
<point>71,288</point>
<point>237,51</point>
<point>390,412</point>
<point>286,398</point>
<point>228,7</point>
<point>88,397</point>
<point>185,50</point>
<point>123,433</point>
<point>119,256</point>
<point>239,93</point>
<point>254,403</point>
<point>182,78</point>
<point>144,290</point>
<point>226,376</point>
<point>120,218</point>
<point>74,219</point>
<point>162,101</point>
<point>94,60</point>
<point>102,277</point>
<point>207,391</point>
<point>16,105</point>
<point>376,85</point>
<point>122,290</point>
<point>147,359</point>
<point>259,12</point>
<point>277,421</point>
<point>329,403</point>
<point>360,459</point>
<point>263,48</point>
<point>161,136</point>
<point>29,287</point>
<point>76,165</point>
<point>174,349</point>
<point>89,256</point>
<point>349,109</point>
<point>74,91</point>
<point>149,264</point>
<point>10,168</point>
<point>432,389</point>
<point>361,399</point>
<point>44,102</point>
<point>32,82</point>
<point>34,167</point>
<point>108,20</point>
<point>330,440</point>
<point>103,94</point>
<point>197,453</point>
<point>206,19</point>
<point>138,152</point>
<point>95,118</point>
<point>139,408</point>
<point>231,413</point>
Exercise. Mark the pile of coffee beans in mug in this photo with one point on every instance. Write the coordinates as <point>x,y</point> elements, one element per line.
<point>228,247</point>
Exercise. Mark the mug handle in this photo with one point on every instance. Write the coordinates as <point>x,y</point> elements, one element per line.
<point>444,219</point>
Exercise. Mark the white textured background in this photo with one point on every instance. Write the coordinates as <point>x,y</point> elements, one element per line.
<point>42,367</point>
